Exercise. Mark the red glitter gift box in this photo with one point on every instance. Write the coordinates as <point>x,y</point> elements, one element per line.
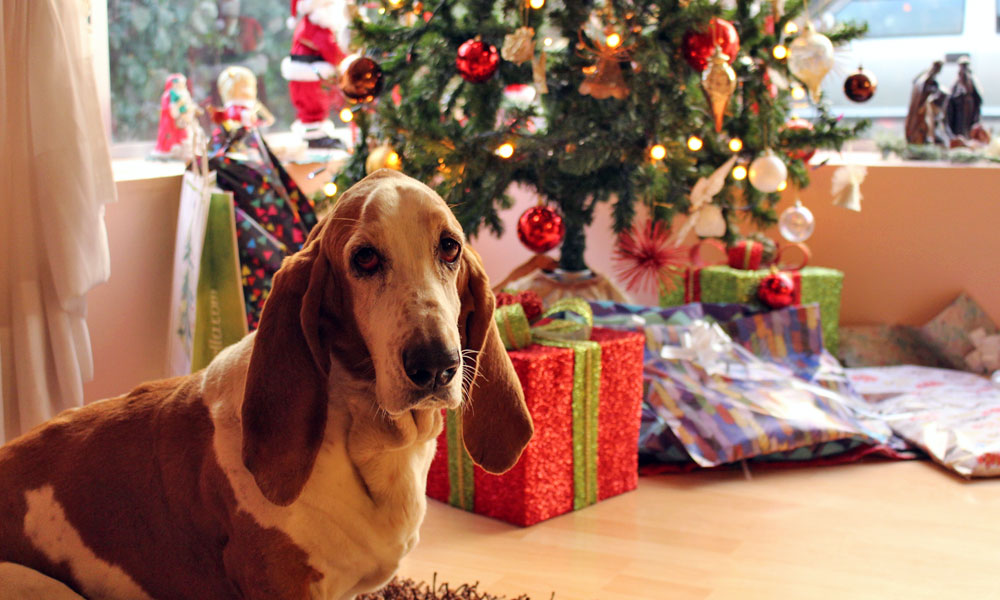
<point>583,451</point>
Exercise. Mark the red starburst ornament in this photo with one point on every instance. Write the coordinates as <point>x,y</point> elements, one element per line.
<point>645,257</point>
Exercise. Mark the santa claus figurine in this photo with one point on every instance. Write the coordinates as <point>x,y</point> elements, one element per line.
<point>319,44</point>
<point>177,112</point>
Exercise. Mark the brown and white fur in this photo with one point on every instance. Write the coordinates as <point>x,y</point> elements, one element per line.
<point>294,465</point>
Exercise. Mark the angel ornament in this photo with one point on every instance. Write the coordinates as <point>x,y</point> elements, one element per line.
<point>706,218</point>
<point>846,186</point>
<point>604,79</point>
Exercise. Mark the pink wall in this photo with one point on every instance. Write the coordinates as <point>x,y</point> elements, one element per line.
<point>127,316</point>
<point>925,234</point>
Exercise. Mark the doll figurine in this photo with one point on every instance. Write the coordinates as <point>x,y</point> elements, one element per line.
<point>319,45</point>
<point>177,113</point>
<point>240,107</point>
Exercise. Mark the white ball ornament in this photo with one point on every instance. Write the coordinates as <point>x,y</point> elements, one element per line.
<point>767,172</point>
<point>810,58</point>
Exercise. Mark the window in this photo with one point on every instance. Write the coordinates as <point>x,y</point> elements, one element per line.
<point>897,18</point>
<point>150,39</point>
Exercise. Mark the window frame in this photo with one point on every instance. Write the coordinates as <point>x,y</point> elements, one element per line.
<point>962,20</point>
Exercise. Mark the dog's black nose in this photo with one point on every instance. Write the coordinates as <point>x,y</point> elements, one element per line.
<point>430,365</point>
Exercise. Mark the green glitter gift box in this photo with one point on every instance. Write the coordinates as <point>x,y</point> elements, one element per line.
<point>729,285</point>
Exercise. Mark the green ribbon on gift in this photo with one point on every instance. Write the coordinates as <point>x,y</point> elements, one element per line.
<point>586,399</point>
<point>460,465</point>
<point>517,333</point>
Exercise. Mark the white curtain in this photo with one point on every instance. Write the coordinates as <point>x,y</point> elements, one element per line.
<point>55,177</point>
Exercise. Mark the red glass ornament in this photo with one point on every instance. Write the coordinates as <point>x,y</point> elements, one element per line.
<point>803,154</point>
<point>361,79</point>
<point>540,229</point>
<point>777,290</point>
<point>477,60</point>
<point>697,46</point>
<point>860,86</point>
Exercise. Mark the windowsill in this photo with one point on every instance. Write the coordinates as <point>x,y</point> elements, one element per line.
<point>875,160</point>
<point>140,169</point>
<point>131,164</point>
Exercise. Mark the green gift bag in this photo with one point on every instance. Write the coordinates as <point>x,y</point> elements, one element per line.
<point>220,312</point>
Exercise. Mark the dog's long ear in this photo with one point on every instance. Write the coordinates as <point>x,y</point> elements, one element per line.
<point>495,420</point>
<point>285,399</point>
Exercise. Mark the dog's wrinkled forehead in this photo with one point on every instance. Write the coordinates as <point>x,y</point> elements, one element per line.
<point>384,206</point>
<point>405,207</point>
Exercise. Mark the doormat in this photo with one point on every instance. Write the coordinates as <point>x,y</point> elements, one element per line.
<point>407,589</point>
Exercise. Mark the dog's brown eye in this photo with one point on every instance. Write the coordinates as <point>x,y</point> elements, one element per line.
<point>367,260</point>
<point>450,249</point>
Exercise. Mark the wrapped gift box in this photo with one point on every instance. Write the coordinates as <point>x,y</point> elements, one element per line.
<point>951,415</point>
<point>583,451</point>
<point>726,284</point>
<point>782,398</point>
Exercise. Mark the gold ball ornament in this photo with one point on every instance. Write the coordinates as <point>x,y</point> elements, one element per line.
<point>810,58</point>
<point>767,172</point>
<point>382,157</point>
<point>718,82</point>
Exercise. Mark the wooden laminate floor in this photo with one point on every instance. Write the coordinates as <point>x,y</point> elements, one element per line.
<point>880,530</point>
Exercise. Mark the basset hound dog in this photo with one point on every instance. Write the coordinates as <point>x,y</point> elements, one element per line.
<point>293,466</point>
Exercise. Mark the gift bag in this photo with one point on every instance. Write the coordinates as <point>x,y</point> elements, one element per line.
<point>219,310</point>
<point>192,218</point>
<point>206,308</point>
<point>273,217</point>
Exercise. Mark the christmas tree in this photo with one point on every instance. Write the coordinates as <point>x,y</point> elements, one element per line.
<point>635,102</point>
